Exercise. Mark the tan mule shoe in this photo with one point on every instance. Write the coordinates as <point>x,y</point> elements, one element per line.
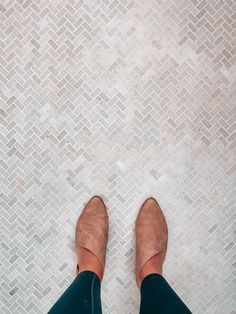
<point>151,234</point>
<point>92,229</point>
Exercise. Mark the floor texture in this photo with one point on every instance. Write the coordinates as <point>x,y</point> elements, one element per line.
<point>127,99</point>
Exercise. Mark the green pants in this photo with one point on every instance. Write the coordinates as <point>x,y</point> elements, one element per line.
<point>83,297</point>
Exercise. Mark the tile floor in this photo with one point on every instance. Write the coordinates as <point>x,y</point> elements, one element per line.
<point>125,99</point>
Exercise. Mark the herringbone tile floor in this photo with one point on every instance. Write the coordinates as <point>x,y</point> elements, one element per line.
<point>126,99</point>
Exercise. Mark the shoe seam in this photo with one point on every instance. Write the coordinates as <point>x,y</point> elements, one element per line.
<point>92,297</point>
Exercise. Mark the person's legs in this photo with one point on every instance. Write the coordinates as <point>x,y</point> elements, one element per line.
<point>82,296</point>
<point>157,297</point>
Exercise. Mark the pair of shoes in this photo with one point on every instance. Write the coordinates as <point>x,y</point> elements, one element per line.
<point>150,231</point>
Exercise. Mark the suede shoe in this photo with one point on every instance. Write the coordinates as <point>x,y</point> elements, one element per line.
<point>92,229</point>
<point>151,234</point>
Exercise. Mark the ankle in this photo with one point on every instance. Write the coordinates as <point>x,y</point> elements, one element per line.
<point>88,261</point>
<point>153,266</point>
<point>92,268</point>
<point>149,270</point>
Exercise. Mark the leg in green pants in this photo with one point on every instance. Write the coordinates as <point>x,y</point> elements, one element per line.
<point>157,297</point>
<point>83,297</point>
